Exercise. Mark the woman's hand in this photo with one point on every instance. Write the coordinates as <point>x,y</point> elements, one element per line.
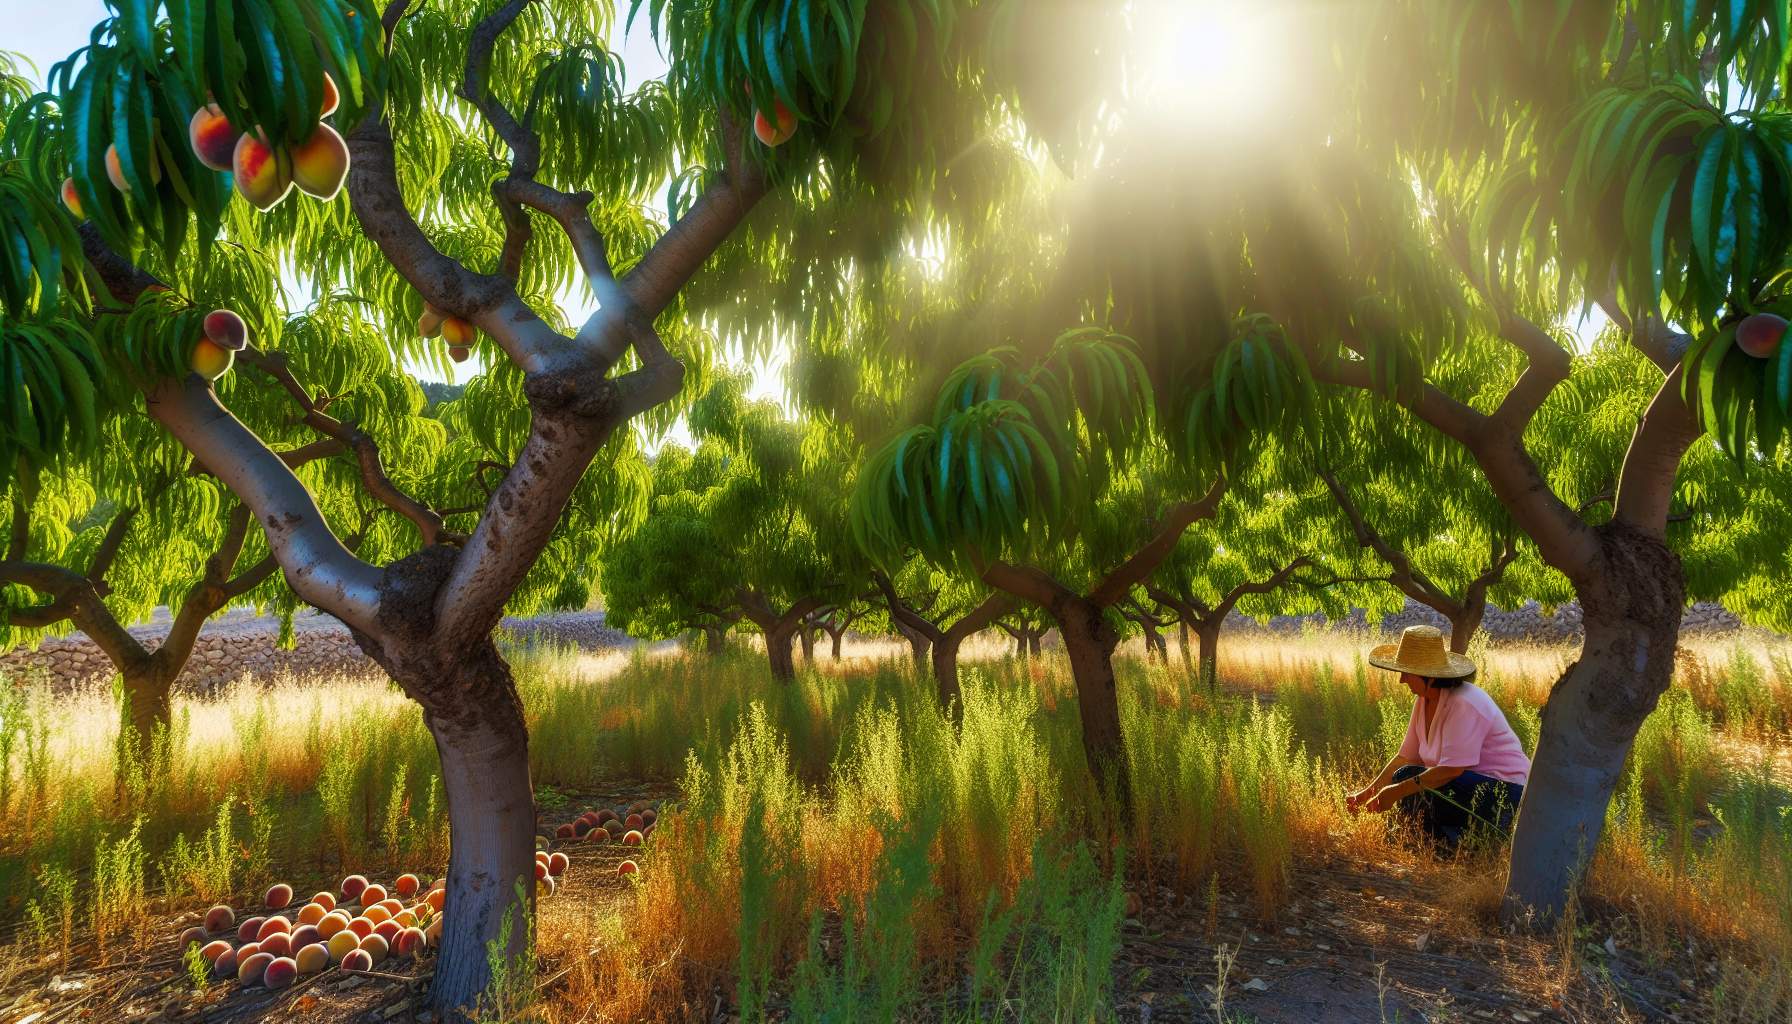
<point>1386,798</point>
<point>1359,799</point>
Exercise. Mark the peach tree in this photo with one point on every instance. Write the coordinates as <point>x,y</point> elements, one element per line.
<point>490,158</point>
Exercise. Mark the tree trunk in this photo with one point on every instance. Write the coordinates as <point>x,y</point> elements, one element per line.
<point>917,644</point>
<point>1033,643</point>
<point>715,640</point>
<point>778,641</point>
<point>1089,641</point>
<point>945,671</point>
<point>1207,634</point>
<point>145,718</point>
<point>1020,644</point>
<point>807,636</point>
<point>491,815</point>
<point>834,640</point>
<point>1188,664</point>
<point>1464,625</point>
<point>1155,646</point>
<point>1631,611</point>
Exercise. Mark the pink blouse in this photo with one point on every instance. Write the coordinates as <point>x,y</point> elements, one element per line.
<point>1468,730</point>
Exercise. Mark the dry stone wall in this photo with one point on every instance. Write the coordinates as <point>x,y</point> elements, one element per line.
<point>1528,624</point>
<point>239,644</point>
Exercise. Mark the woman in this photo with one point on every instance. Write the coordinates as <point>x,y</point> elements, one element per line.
<point>1460,763</point>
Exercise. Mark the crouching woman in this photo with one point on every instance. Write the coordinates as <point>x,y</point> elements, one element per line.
<point>1460,766</point>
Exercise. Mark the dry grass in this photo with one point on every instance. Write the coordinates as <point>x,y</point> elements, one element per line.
<point>795,802</point>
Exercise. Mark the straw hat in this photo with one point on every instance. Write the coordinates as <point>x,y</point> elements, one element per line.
<point>1422,652</point>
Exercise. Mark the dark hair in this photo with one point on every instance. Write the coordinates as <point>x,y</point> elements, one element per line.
<point>1448,684</point>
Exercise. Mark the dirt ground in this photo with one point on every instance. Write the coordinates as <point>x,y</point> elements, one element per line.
<point>1357,943</point>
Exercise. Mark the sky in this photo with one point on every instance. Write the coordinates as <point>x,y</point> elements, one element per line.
<point>48,32</point>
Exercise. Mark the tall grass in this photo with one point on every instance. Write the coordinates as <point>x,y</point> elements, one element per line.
<point>840,849</point>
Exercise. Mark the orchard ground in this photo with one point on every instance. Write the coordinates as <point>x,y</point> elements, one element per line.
<point>835,849</point>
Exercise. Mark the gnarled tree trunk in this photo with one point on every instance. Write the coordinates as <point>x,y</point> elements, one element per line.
<point>1089,642</point>
<point>1207,635</point>
<point>1631,614</point>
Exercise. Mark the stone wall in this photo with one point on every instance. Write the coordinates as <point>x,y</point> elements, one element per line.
<point>221,657</point>
<point>238,644</point>
<point>1528,624</point>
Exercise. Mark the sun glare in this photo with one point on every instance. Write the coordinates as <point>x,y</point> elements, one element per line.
<point>1210,61</point>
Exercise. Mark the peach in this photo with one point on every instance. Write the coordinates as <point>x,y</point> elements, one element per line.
<point>456,331</point>
<point>212,137</point>
<point>341,944</point>
<point>247,950</point>
<point>281,973</point>
<point>438,884</point>
<point>429,325</point>
<point>435,899</point>
<point>405,918</point>
<point>312,958</point>
<point>375,914</point>
<point>249,929</point>
<point>433,934</point>
<point>320,163</point>
<point>782,132</point>
<point>249,969</point>
<point>351,887</point>
<point>634,821</point>
<point>406,885</point>
<point>633,838</point>
<point>71,198</point>
<point>279,944</point>
<point>544,887</point>
<point>360,927</point>
<point>638,806</point>
<point>627,867</point>
<point>210,360</point>
<point>304,935</point>
<point>115,170</point>
<point>388,930</point>
<point>1760,335</point>
<point>332,923</point>
<point>410,942</point>
<point>392,905</point>
<point>225,965</point>
<point>459,353</point>
<point>597,835</point>
<point>263,174</point>
<point>358,961</point>
<point>373,894</point>
<point>325,900</point>
<point>311,913</point>
<point>194,936</point>
<point>605,815</point>
<point>214,949</point>
<point>558,863</point>
<point>541,871</point>
<point>273,926</point>
<point>648,816</point>
<point>332,96</point>
<point>225,330</point>
<point>376,946</point>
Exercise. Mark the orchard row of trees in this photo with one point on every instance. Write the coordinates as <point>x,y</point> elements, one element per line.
<point>1065,355</point>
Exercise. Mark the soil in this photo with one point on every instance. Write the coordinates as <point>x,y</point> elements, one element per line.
<point>1369,944</point>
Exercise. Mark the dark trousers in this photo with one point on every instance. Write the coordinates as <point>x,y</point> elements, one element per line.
<point>1470,802</point>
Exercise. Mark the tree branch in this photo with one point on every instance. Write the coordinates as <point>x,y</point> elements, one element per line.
<point>1144,561</point>
<point>320,569</point>
<point>1646,480</point>
<point>690,241</point>
<point>1404,576</point>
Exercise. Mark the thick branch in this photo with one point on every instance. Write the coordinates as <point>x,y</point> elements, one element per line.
<point>1145,561</point>
<point>320,569</point>
<point>903,613</point>
<point>1264,586</point>
<point>1646,481</point>
<point>689,242</point>
<point>980,618</point>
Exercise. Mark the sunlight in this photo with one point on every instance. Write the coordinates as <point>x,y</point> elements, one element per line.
<point>1212,62</point>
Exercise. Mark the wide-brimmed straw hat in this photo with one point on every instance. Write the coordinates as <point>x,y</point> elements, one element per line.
<point>1422,652</point>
